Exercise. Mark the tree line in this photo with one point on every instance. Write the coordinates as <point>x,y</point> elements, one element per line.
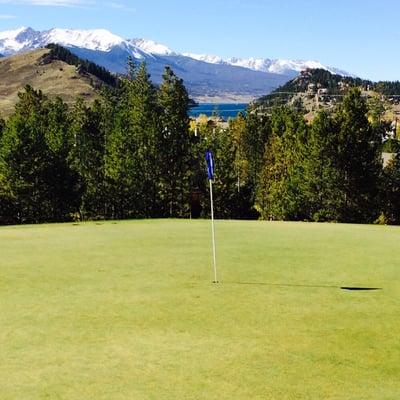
<point>135,154</point>
<point>59,53</point>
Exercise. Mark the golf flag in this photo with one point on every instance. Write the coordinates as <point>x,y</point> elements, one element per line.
<point>210,165</point>
<point>210,172</point>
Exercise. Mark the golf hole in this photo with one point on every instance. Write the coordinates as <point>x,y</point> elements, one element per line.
<point>359,288</point>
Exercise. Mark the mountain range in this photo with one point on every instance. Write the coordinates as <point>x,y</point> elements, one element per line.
<point>208,78</point>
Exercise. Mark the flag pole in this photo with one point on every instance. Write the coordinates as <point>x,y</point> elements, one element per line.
<point>210,172</point>
<point>213,233</point>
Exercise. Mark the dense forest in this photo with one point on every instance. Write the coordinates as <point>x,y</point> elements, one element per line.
<point>135,154</point>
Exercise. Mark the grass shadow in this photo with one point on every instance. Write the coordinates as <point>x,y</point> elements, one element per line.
<point>304,285</point>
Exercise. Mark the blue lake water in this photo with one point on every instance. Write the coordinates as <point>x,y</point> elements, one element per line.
<point>223,110</point>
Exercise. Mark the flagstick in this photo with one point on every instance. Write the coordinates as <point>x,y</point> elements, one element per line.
<point>213,233</point>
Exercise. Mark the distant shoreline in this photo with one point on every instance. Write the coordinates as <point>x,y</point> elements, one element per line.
<point>225,99</point>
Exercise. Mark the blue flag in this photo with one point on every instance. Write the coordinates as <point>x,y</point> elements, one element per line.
<point>210,165</point>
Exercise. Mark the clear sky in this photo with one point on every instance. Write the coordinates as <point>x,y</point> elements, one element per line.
<point>359,36</point>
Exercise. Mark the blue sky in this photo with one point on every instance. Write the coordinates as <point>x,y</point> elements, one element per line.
<point>360,36</point>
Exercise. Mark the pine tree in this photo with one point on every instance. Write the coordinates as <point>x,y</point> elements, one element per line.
<point>256,135</point>
<point>391,192</point>
<point>7,202</point>
<point>231,192</point>
<point>64,181</point>
<point>359,160</point>
<point>322,183</point>
<point>31,164</point>
<point>242,166</point>
<point>279,194</point>
<point>132,166</point>
<point>174,145</point>
<point>89,127</point>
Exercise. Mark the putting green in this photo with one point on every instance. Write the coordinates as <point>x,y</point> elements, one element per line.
<point>127,311</point>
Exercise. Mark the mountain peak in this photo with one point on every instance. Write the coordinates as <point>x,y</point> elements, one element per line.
<point>92,39</point>
<point>205,58</point>
<point>12,34</point>
<point>149,46</point>
<point>16,40</point>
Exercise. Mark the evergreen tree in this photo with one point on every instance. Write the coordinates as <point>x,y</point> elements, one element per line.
<point>242,166</point>
<point>359,160</point>
<point>64,181</point>
<point>279,194</point>
<point>7,202</point>
<point>89,127</point>
<point>31,164</point>
<point>257,132</point>
<point>132,166</point>
<point>322,183</point>
<point>254,141</point>
<point>391,191</point>
<point>174,145</point>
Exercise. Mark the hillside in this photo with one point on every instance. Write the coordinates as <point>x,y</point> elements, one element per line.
<point>316,89</point>
<point>44,69</point>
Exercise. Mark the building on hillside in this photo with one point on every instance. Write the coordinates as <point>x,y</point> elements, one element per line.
<point>311,88</point>
<point>392,132</point>
<point>387,157</point>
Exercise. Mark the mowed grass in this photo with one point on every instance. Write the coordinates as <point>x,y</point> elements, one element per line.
<point>127,311</point>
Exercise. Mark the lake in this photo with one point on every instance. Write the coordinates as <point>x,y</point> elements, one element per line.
<point>223,110</point>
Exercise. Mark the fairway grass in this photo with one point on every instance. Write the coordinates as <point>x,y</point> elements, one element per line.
<point>126,310</point>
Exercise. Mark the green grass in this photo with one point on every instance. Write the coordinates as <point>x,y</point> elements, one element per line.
<point>126,311</point>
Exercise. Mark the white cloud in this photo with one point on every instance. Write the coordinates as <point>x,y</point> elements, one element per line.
<point>7,16</point>
<point>53,3</point>
<point>71,3</point>
<point>118,6</point>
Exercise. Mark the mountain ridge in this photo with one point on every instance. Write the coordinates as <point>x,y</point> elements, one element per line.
<point>209,76</point>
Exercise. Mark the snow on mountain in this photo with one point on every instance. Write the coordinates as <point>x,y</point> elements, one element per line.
<point>257,64</point>
<point>149,46</point>
<point>204,75</point>
<point>205,58</point>
<point>11,35</point>
<point>10,41</point>
<point>282,67</point>
<point>22,39</point>
<point>26,39</point>
<point>101,40</point>
<point>96,39</point>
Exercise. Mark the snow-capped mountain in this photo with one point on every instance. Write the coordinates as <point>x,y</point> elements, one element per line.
<point>204,75</point>
<point>205,58</point>
<point>152,47</point>
<point>22,39</point>
<point>12,41</point>
<point>284,67</point>
<point>98,39</point>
